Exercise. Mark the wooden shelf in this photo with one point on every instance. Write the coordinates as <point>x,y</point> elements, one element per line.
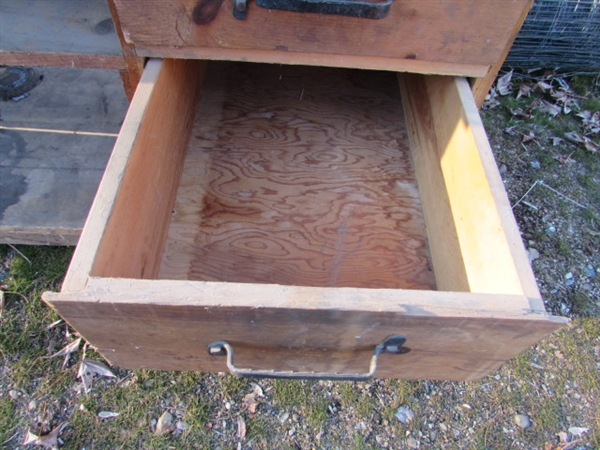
<point>58,33</point>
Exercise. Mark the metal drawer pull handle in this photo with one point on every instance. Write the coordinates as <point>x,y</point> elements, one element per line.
<point>392,344</point>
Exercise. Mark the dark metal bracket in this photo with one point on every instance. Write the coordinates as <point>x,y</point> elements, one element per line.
<point>363,9</point>
<point>392,344</point>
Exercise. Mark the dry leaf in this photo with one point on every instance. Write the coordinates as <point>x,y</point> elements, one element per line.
<point>531,137</point>
<point>503,85</point>
<point>543,87</point>
<point>590,145</point>
<point>107,414</point>
<point>578,431</point>
<point>550,108</point>
<point>49,440</point>
<point>491,100</point>
<point>88,369</point>
<point>557,141</point>
<point>53,324</point>
<point>524,91</point>
<point>518,112</point>
<point>251,400</point>
<point>165,424</point>
<point>574,137</point>
<point>66,351</point>
<point>565,159</point>
<point>241,428</point>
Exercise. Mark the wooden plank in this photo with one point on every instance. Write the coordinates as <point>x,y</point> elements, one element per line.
<point>299,176</point>
<point>73,60</point>
<point>135,65</point>
<point>481,86</point>
<point>453,32</point>
<point>451,335</point>
<point>463,197</point>
<point>133,239</point>
<point>101,209</point>
<point>520,259</point>
<point>58,32</point>
<point>54,146</point>
<point>317,59</point>
<point>41,235</point>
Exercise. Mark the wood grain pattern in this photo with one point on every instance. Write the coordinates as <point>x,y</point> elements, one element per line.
<point>474,242</point>
<point>168,325</point>
<point>298,176</point>
<point>133,239</point>
<point>456,32</point>
<point>57,33</point>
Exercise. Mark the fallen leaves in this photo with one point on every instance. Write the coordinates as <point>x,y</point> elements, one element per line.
<point>49,440</point>
<point>165,424</point>
<point>66,351</point>
<point>504,85</point>
<point>554,97</point>
<point>89,369</point>
<point>251,400</point>
<point>241,428</point>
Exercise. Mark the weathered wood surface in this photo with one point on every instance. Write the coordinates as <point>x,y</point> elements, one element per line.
<point>168,325</point>
<point>53,150</point>
<point>462,37</point>
<point>481,86</point>
<point>299,176</point>
<point>57,33</point>
<point>124,234</point>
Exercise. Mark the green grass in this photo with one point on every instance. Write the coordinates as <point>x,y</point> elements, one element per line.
<point>567,358</point>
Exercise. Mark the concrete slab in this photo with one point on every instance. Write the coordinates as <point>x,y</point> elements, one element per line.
<point>54,146</point>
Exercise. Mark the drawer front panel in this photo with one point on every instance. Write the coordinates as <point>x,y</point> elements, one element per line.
<point>299,329</point>
<point>428,36</point>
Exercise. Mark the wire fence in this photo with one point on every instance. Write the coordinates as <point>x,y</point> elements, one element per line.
<point>559,34</point>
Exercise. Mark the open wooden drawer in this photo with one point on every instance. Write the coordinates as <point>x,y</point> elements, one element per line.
<point>286,213</point>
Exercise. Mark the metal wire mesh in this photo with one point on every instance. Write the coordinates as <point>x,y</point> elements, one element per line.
<point>559,34</point>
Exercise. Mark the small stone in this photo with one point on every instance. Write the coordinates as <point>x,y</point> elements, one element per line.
<point>443,427</point>
<point>533,254</point>
<point>587,286</point>
<point>284,417</point>
<point>405,415</point>
<point>569,275</point>
<point>536,164</point>
<point>181,425</point>
<point>292,432</point>
<point>13,394</point>
<point>522,421</point>
<point>379,439</point>
<point>503,169</point>
<point>165,424</point>
<point>570,282</point>
<point>551,229</point>
<point>412,442</point>
<point>433,435</point>
<point>589,271</point>
<point>227,405</point>
<point>33,404</point>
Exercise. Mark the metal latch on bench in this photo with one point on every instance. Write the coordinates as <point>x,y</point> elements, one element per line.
<point>392,344</point>
<point>364,9</point>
